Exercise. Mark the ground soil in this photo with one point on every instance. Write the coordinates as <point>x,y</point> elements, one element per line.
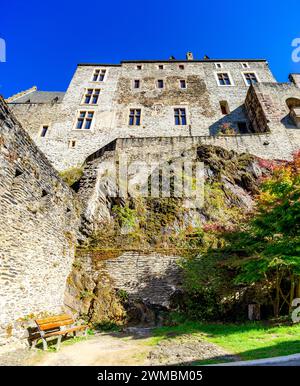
<point>131,347</point>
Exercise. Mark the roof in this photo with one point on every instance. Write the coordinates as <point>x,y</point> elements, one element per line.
<point>172,61</point>
<point>38,97</point>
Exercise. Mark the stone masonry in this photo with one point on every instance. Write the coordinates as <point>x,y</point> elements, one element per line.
<point>40,214</point>
<point>39,219</point>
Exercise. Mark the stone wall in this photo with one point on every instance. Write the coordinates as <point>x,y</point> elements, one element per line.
<point>97,287</point>
<point>39,219</point>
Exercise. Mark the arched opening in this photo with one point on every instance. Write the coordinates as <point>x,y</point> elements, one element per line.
<point>294,106</point>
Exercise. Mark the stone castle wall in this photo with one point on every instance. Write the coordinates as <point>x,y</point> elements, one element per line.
<point>201,98</point>
<point>39,218</point>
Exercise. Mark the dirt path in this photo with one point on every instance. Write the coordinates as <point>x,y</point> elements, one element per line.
<point>131,348</point>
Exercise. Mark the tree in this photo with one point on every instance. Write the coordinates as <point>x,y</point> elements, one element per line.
<point>273,244</point>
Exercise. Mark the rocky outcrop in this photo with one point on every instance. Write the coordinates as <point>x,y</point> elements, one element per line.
<point>127,267</point>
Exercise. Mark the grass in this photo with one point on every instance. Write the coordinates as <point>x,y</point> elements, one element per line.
<point>253,340</point>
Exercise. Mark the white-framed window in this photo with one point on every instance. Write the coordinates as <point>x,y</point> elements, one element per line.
<point>245,64</point>
<point>84,120</point>
<point>99,75</point>
<point>134,117</point>
<point>44,130</point>
<point>91,96</point>
<point>180,116</point>
<point>136,83</point>
<point>182,83</point>
<point>250,77</point>
<point>219,65</point>
<point>160,83</point>
<point>224,79</point>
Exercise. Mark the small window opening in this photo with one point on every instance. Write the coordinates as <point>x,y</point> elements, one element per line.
<point>224,107</point>
<point>44,131</point>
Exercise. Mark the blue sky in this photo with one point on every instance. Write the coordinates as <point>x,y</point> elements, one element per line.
<point>46,39</point>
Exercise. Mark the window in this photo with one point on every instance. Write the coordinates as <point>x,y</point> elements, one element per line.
<point>44,131</point>
<point>135,117</point>
<point>84,120</point>
<point>182,83</point>
<point>139,67</point>
<point>160,66</point>
<point>91,96</point>
<point>245,65</point>
<point>180,116</point>
<point>99,75</point>
<point>224,107</point>
<point>250,78</point>
<point>136,83</point>
<point>219,65</point>
<point>160,83</point>
<point>224,79</point>
<point>72,144</point>
<point>242,126</point>
<point>181,67</point>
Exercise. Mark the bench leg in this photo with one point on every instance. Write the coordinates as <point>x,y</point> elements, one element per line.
<point>74,334</point>
<point>85,333</point>
<point>58,342</point>
<point>45,346</point>
<point>33,344</point>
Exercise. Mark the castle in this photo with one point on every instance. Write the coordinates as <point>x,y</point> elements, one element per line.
<point>199,99</point>
<point>148,110</point>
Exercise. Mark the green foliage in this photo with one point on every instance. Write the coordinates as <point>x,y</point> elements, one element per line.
<point>72,175</point>
<point>123,295</point>
<point>251,340</point>
<point>265,252</point>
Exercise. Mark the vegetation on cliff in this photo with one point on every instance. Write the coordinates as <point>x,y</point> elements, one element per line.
<point>260,259</point>
<point>241,247</point>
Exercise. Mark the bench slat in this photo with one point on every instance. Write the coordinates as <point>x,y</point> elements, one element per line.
<point>49,326</point>
<point>63,332</point>
<point>53,319</point>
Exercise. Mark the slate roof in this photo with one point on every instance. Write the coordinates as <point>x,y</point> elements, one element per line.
<point>40,97</point>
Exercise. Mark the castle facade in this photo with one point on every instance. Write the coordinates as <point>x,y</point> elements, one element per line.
<point>236,104</point>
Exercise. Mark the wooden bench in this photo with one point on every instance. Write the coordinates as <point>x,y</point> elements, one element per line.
<point>56,326</point>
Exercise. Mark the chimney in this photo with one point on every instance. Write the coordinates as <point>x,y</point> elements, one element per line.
<point>189,56</point>
<point>295,78</point>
